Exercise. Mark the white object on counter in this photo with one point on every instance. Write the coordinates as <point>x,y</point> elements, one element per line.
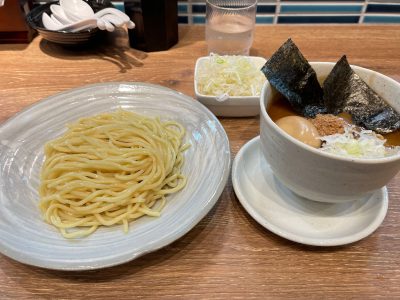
<point>25,237</point>
<point>77,15</point>
<point>50,24</point>
<point>320,176</point>
<point>284,213</point>
<point>229,106</point>
<point>79,10</point>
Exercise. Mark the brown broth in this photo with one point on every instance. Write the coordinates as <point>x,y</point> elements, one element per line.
<point>393,138</point>
<point>279,107</point>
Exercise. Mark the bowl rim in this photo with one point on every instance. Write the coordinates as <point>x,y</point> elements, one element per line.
<point>216,6</point>
<point>266,117</point>
<point>209,97</point>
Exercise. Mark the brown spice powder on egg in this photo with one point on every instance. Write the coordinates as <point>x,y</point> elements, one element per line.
<point>328,124</point>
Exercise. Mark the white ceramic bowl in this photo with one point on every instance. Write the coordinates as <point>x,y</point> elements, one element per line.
<point>321,176</point>
<point>235,106</point>
<point>25,237</point>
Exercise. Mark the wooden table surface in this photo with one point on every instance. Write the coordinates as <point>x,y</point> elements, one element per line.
<point>227,255</point>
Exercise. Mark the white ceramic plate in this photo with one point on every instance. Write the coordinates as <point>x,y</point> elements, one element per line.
<point>28,239</point>
<point>298,219</point>
<point>234,106</point>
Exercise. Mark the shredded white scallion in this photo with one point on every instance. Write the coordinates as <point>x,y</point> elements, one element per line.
<point>231,75</point>
<point>358,144</point>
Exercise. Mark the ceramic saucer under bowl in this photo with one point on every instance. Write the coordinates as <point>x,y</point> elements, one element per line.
<point>298,219</point>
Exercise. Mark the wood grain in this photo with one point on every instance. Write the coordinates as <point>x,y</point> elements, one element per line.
<point>227,255</point>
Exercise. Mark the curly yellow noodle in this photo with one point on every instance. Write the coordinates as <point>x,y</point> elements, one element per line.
<point>110,169</point>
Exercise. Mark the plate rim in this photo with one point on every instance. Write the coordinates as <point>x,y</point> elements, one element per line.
<point>92,85</point>
<point>151,247</point>
<point>329,242</point>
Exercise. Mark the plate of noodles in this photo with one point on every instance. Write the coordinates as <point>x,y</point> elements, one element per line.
<point>102,174</point>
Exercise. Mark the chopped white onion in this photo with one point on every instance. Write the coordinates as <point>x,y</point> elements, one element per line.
<point>229,75</point>
<point>359,144</point>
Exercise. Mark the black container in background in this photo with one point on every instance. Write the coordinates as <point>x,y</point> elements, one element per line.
<point>13,27</point>
<point>156,24</point>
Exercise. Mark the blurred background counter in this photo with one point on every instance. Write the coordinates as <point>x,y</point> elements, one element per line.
<point>228,254</point>
<point>301,12</point>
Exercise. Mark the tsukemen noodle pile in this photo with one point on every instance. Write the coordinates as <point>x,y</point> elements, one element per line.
<point>110,169</point>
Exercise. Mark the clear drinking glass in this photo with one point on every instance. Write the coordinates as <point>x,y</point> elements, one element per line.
<point>230,26</point>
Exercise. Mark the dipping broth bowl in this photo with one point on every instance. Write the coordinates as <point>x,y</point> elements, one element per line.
<point>322,176</point>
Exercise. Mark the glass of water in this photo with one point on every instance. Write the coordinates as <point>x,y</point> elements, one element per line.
<point>230,26</point>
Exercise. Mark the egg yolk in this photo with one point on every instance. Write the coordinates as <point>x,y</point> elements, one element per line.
<point>301,129</point>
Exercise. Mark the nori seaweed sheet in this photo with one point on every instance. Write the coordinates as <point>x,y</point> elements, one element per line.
<point>291,75</point>
<point>345,91</point>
